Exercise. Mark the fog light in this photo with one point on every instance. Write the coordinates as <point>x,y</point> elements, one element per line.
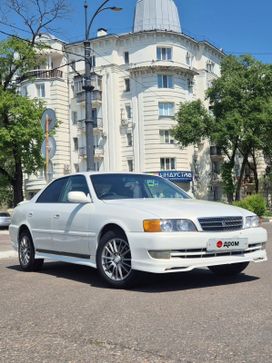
<point>160,254</point>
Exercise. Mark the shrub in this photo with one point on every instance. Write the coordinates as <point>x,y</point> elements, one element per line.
<point>255,203</point>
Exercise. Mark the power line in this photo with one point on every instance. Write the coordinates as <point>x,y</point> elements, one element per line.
<point>79,55</point>
<point>15,27</point>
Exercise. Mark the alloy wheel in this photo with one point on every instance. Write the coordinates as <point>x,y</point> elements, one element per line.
<point>116,259</point>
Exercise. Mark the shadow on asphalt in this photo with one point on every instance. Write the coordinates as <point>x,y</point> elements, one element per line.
<point>149,283</point>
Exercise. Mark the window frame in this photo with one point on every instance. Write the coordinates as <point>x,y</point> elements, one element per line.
<point>165,81</point>
<point>170,161</point>
<point>167,113</point>
<point>164,53</point>
<point>40,87</point>
<point>166,137</point>
<point>127,85</point>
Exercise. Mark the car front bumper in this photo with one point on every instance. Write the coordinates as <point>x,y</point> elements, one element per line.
<point>188,250</point>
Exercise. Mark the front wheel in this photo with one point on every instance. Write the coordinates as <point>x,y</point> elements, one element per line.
<point>26,253</point>
<point>114,260</point>
<point>228,270</point>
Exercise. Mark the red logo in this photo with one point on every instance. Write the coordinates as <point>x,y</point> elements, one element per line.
<point>219,244</point>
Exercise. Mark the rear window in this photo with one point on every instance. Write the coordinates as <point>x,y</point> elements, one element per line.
<point>4,214</point>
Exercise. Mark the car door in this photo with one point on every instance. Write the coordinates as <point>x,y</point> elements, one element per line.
<point>71,227</point>
<point>40,215</point>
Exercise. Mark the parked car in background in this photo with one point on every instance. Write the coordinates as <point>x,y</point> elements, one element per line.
<point>123,223</point>
<point>5,219</point>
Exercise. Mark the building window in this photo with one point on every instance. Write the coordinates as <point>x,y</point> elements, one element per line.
<point>166,109</point>
<point>126,57</point>
<point>189,59</point>
<point>168,163</point>
<point>74,117</point>
<point>130,165</point>
<point>24,92</point>
<point>164,53</point>
<point>92,61</point>
<point>127,85</point>
<point>40,89</point>
<point>129,139</point>
<point>210,66</point>
<point>75,140</point>
<point>190,84</point>
<point>128,111</point>
<point>166,137</point>
<point>78,83</point>
<point>165,81</point>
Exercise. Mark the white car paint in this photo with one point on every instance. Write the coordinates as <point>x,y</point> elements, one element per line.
<point>72,231</point>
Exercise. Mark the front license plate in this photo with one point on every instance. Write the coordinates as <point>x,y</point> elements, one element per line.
<point>227,244</point>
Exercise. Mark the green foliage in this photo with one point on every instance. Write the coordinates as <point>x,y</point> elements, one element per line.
<point>16,57</point>
<point>241,123</point>
<point>193,123</point>
<point>20,129</point>
<point>5,193</point>
<point>255,203</point>
<point>20,132</point>
<point>227,177</point>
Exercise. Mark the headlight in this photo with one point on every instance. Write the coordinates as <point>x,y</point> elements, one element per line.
<point>252,222</point>
<point>169,225</point>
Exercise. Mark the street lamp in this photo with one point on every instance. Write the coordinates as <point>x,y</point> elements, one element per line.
<point>88,84</point>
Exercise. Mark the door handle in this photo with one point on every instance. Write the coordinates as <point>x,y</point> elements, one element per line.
<point>56,216</point>
<point>30,214</point>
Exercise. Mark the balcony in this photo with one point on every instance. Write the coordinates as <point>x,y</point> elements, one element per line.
<point>98,152</point>
<point>41,74</point>
<point>98,125</point>
<point>216,153</point>
<point>96,96</point>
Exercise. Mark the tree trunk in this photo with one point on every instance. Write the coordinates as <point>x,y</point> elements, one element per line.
<point>240,179</point>
<point>17,185</point>
<point>256,179</point>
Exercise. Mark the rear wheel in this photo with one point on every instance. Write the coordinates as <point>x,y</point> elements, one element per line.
<point>26,253</point>
<point>114,260</point>
<point>228,270</point>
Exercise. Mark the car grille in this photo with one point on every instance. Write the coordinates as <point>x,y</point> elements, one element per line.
<point>203,253</point>
<point>221,223</point>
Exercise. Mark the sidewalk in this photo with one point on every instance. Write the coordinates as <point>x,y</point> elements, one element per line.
<point>6,251</point>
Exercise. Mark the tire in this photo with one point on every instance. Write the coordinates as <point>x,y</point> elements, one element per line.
<point>113,260</point>
<point>229,270</point>
<point>26,253</point>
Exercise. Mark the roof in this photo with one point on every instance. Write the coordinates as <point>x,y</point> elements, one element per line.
<point>156,15</point>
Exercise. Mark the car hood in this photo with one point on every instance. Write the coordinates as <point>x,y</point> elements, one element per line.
<point>180,208</point>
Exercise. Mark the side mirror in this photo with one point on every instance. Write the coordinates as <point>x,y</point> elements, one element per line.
<point>78,197</point>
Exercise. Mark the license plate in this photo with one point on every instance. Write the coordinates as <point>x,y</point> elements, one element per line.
<point>227,244</point>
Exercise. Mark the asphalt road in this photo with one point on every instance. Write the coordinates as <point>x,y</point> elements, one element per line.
<point>66,314</point>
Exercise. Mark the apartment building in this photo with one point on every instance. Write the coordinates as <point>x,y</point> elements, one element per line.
<point>139,79</point>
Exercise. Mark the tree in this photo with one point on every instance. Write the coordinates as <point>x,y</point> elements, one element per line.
<point>36,15</point>
<point>20,130</point>
<point>241,120</point>
<point>20,139</point>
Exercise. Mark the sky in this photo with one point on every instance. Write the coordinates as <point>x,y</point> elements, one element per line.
<point>237,26</point>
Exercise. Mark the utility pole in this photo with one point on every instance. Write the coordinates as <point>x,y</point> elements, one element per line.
<point>87,85</point>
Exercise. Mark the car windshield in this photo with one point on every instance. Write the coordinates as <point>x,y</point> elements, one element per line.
<point>135,186</point>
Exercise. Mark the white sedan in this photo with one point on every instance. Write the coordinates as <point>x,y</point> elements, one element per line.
<point>123,223</point>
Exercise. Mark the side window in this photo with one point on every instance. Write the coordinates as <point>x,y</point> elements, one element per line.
<point>76,183</point>
<point>52,193</point>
